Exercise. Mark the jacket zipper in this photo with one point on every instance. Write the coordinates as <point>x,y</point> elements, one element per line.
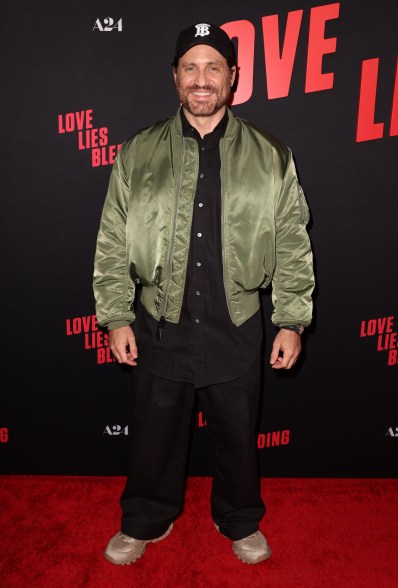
<point>222,153</point>
<point>162,320</point>
<point>302,203</point>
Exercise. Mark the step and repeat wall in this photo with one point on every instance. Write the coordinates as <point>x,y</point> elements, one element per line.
<point>79,79</point>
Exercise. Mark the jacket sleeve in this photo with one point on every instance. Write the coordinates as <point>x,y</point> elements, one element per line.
<point>113,287</point>
<point>293,280</point>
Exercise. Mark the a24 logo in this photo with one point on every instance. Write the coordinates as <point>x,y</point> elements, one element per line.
<point>116,430</point>
<point>108,25</point>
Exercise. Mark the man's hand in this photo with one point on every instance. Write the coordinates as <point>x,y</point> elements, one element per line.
<point>123,345</point>
<point>289,343</point>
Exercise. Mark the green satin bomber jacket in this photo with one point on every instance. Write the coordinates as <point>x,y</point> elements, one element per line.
<point>145,227</point>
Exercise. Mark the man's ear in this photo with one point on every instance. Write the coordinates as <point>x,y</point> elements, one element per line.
<point>233,75</point>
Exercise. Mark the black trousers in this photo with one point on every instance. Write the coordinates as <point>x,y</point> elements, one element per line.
<point>162,415</point>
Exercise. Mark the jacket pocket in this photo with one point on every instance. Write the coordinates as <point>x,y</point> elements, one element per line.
<point>268,262</point>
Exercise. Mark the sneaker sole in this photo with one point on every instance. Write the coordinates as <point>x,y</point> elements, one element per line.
<point>139,553</point>
<point>136,556</point>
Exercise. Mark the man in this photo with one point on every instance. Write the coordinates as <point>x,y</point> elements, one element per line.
<point>202,210</point>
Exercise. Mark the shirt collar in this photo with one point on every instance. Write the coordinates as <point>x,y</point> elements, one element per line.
<point>188,129</point>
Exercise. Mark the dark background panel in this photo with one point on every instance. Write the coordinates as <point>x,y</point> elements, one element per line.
<point>66,413</point>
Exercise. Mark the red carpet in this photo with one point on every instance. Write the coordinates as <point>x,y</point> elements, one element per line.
<point>333,533</point>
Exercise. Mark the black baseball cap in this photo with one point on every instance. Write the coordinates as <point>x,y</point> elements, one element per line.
<point>205,33</point>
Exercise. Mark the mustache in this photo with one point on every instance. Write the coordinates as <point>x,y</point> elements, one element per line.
<point>207,88</point>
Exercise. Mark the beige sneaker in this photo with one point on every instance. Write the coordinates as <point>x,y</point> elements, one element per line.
<point>123,550</point>
<point>251,549</point>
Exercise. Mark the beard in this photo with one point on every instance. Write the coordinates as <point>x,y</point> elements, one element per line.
<point>218,99</point>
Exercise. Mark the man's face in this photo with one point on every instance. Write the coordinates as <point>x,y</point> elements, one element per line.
<point>203,80</point>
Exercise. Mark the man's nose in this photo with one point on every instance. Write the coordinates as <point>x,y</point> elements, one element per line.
<point>201,77</point>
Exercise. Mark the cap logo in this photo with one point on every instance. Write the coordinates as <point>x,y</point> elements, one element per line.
<point>202,30</point>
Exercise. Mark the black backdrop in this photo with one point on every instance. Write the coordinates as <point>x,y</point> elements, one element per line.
<point>64,405</point>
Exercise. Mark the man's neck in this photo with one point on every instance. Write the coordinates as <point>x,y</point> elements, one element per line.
<point>205,124</point>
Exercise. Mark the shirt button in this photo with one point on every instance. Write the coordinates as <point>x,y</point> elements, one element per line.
<point>200,204</point>
<point>201,176</point>
<point>199,234</point>
<point>197,321</point>
<point>197,293</point>
<point>203,148</point>
<point>198,263</point>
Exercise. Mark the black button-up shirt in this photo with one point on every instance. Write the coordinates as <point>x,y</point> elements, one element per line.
<point>205,347</point>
